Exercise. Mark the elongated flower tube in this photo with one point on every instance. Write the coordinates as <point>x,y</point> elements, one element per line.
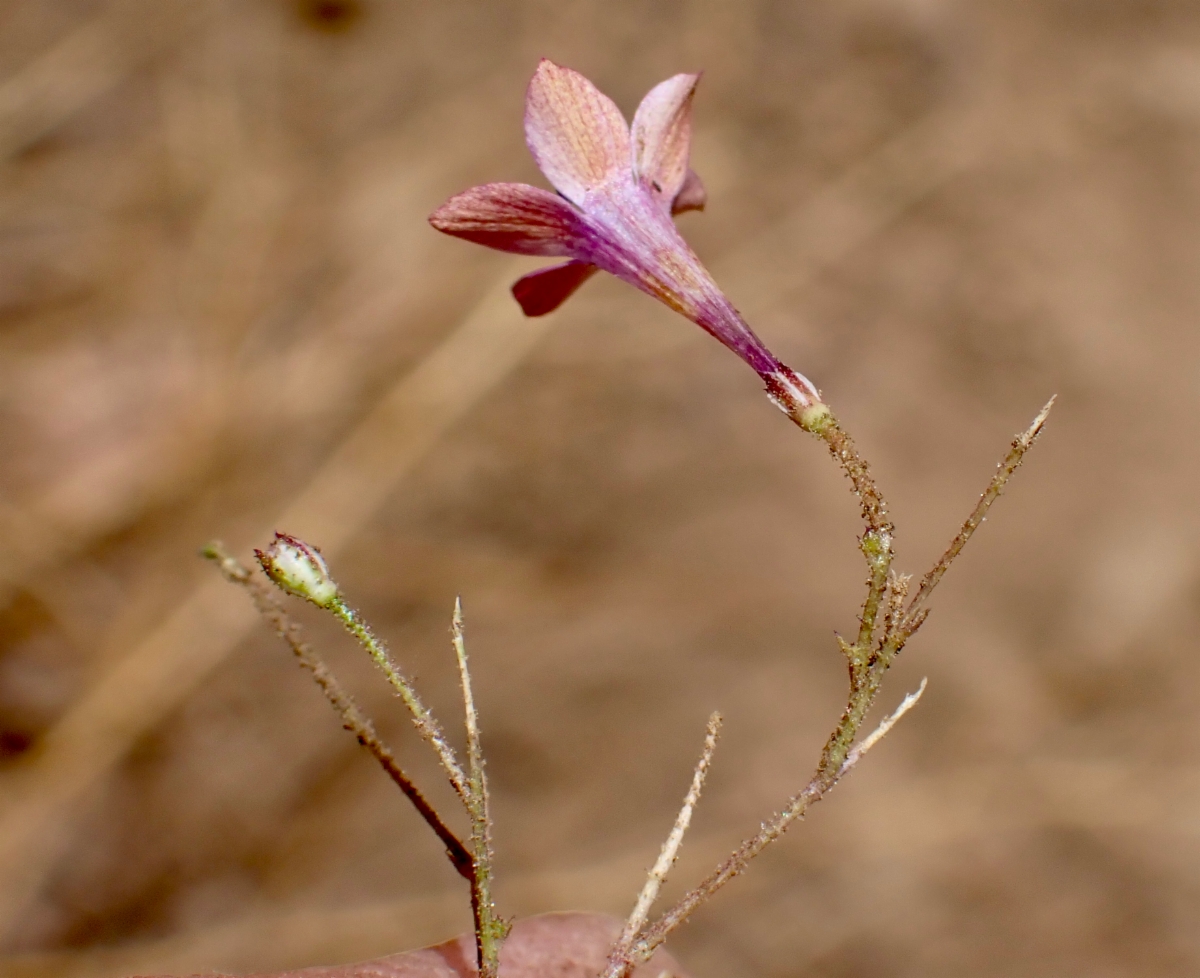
<point>618,189</point>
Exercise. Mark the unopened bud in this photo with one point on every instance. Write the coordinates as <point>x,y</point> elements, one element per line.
<point>298,569</point>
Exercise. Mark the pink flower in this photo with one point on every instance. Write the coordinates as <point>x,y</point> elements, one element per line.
<point>618,188</point>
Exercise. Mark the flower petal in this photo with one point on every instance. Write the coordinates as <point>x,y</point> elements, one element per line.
<point>662,135</point>
<point>511,217</point>
<point>574,131</point>
<point>545,290</point>
<point>692,196</point>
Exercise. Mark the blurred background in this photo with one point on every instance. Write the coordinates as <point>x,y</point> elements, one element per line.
<point>222,313</point>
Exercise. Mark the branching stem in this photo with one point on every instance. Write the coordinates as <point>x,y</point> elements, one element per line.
<point>869,658</point>
<point>286,570</point>
<point>771,830</point>
<point>352,718</point>
<point>621,959</point>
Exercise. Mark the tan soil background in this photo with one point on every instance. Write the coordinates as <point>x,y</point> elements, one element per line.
<point>216,276</point>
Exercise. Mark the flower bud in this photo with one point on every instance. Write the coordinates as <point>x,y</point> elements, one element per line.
<point>299,569</point>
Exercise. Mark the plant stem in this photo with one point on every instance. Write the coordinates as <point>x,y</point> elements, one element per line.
<point>423,720</point>
<point>621,961</point>
<point>869,658</point>
<point>771,830</point>
<point>1004,471</point>
<point>352,718</point>
<point>841,446</point>
<point>490,929</point>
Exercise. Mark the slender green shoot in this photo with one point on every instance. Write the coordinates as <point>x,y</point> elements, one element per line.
<point>490,929</point>
<point>423,719</point>
<point>352,718</point>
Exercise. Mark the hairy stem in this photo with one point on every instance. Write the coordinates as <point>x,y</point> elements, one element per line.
<point>1004,471</point>
<point>490,929</point>
<point>423,719</point>
<point>621,959</point>
<point>841,446</point>
<point>352,718</point>
<point>869,657</point>
<point>771,830</point>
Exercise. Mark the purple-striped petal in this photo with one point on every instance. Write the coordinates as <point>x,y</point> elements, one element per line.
<point>662,135</point>
<point>575,132</point>
<point>619,192</point>
<point>545,290</point>
<point>692,196</point>
<point>511,217</point>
